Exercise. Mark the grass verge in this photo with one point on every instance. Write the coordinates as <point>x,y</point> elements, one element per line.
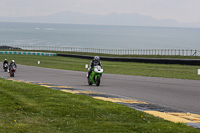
<point>31,108</point>
<point>126,68</point>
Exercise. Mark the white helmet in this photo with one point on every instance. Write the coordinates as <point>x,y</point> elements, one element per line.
<point>96,58</point>
<point>13,60</point>
<point>5,59</point>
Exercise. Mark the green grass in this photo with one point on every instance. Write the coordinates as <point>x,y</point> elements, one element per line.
<point>35,109</point>
<point>126,68</point>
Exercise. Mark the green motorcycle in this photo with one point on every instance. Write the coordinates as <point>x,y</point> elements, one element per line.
<point>95,76</point>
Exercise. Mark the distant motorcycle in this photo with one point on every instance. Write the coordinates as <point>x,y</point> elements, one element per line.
<point>12,71</point>
<point>95,76</point>
<point>5,67</point>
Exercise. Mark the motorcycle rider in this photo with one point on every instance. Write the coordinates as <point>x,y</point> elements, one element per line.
<point>94,62</point>
<point>12,64</point>
<point>5,62</point>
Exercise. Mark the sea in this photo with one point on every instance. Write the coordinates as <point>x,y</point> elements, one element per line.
<point>98,36</point>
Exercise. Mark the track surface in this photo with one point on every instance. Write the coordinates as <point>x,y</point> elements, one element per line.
<point>174,93</point>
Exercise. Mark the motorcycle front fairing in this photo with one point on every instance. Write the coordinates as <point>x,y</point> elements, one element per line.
<point>97,71</point>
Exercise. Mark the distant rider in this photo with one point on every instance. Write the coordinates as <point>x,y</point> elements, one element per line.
<point>5,62</point>
<point>94,62</point>
<point>12,64</point>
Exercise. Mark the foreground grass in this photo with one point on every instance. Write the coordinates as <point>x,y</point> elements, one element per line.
<point>126,68</point>
<point>34,109</point>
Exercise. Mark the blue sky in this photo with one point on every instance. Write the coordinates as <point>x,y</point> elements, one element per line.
<point>184,11</point>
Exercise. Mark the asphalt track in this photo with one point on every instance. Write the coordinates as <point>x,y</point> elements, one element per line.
<point>178,94</point>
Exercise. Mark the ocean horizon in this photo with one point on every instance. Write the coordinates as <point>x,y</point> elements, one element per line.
<point>98,36</point>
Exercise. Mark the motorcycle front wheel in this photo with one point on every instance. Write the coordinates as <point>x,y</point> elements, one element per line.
<point>89,81</point>
<point>98,81</point>
<point>12,74</point>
